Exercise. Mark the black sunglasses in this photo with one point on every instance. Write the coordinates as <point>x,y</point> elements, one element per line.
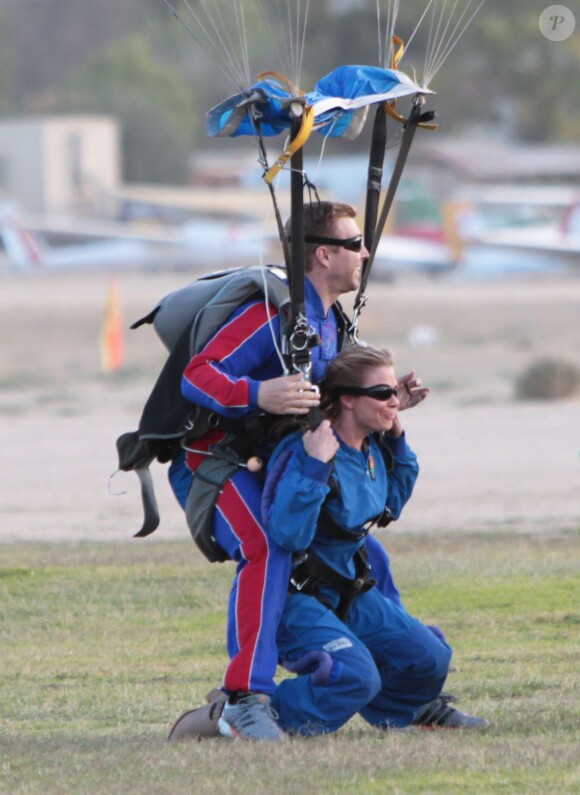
<point>377,392</point>
<point>351,243</point>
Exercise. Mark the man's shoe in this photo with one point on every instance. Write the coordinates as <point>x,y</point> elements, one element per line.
<point>251,718</point>
<point>196,724</point>
<point>438,714</point>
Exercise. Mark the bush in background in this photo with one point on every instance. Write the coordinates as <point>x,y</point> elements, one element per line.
<point>547,379</point>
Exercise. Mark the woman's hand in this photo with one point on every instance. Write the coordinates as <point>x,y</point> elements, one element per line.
<point>321,444</point>
<point>411,392</point>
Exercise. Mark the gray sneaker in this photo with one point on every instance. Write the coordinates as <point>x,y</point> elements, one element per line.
<point>251,718</point>
<point>439,714</point>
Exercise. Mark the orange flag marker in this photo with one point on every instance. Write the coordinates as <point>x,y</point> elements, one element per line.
<point>112,342</point>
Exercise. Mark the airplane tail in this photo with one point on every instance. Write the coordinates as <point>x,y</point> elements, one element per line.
<point>21,247</point>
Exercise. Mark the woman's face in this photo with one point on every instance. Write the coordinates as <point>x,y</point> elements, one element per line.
<point>369,413</point>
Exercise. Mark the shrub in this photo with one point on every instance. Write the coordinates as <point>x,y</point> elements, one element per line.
<point>547,379</point>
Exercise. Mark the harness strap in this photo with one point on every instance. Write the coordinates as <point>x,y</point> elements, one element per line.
<point>331,528</point>
<point>208,482</point>
<point>311,572</point>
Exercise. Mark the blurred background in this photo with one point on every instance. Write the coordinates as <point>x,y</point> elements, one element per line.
<point>102,140</point>
<point>112,195</point>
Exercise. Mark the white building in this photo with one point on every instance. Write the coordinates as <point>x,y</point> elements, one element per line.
<point>59,164</point>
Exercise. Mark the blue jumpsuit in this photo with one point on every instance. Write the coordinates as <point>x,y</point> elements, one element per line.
<point>382,662</point>
<point>225,377</point>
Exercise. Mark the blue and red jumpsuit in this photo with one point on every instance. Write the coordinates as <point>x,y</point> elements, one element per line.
<point>225,377</point>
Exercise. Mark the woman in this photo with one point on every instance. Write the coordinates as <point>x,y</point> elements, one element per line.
<point>354,649</point>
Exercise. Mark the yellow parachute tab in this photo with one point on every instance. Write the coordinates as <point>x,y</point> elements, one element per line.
<point>295,144</point>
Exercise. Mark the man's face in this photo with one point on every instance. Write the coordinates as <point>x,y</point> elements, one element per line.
<point>345,266</point>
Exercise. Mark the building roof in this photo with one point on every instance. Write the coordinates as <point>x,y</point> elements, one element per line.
<point>491,160</point>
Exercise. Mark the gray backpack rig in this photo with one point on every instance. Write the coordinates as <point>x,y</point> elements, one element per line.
<point>185,320</point>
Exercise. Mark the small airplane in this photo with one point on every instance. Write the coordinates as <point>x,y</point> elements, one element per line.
<point>36,244</point>
<point>500,229</point>
<point>513,229</point>
<point>398,254</point>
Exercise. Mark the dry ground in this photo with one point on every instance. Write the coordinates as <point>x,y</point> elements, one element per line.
<point>488,462</point>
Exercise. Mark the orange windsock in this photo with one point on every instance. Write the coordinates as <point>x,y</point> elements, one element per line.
<point>112,343</point>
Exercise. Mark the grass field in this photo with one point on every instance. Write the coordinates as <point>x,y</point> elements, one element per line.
<point>103,646</point>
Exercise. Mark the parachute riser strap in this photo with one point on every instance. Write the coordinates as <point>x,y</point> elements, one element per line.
<point>378,148</point>
<point>411,124</point>
<point>407,140</point>
<point>296,344</point>
<point>375,173</point>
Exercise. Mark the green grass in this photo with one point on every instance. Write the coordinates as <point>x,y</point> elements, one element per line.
<point>103,646</point>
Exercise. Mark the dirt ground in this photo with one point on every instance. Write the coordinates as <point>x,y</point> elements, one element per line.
<point>489,462</point>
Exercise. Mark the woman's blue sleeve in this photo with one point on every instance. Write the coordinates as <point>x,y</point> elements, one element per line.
<point>297,496</point>
<point>402,475</point>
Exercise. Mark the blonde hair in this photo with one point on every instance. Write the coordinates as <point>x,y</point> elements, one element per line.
<point>349,369</point>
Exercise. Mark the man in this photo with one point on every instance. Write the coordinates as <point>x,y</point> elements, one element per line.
<point>237,374</point>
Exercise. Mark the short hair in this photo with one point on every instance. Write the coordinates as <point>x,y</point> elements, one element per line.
<point>319,219</point>
<point>349,369</point>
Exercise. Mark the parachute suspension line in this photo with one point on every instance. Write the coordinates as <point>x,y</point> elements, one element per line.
<point>326,136</point>
<point>290,47</point>
<point>297,34</point>
<point>227,72</point>
<point>244,40</point>
<point>430,42</point>
<point>282,53</point>
<point>387,53</point>
<point>279,353</point>
<point>263,161</point>
<point>217,51</point>
<point>222,42</point>
<point>419,23</point>
<point>297,77</point>
<point>448,41</point>
<point>379,37</point>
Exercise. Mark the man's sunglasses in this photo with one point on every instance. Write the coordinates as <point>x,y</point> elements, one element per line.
<point>377,392</point>
<point>351,243</point>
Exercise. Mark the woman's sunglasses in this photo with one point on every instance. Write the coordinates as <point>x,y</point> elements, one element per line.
<point>351,243</point>
<point>377,392</point>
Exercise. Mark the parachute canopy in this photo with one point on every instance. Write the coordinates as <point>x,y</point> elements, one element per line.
<point>339,102</point>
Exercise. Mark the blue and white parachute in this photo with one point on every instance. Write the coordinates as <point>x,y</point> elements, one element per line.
<point>339,102</point>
